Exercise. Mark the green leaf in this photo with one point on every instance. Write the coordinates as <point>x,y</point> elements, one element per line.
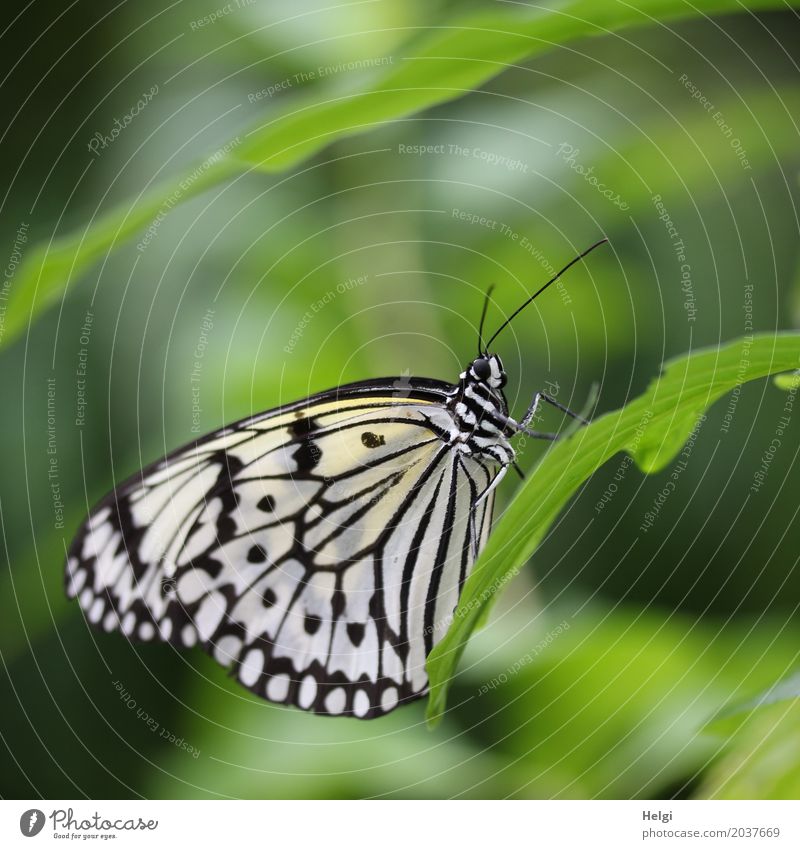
<point>651,428</point>
<point>448,61</point>
<point>456,58</point>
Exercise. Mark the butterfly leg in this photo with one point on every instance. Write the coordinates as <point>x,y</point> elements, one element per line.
<point>492,486</point>
<point>520,428</point>
<point>528,417</point>
<point>542,396</point>
<point>473,530</point>
<point>489,489</point>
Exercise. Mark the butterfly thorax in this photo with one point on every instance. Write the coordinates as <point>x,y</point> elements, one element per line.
<point>480,411</point>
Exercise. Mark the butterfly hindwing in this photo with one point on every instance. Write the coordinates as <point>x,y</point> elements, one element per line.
<point>317,550</point>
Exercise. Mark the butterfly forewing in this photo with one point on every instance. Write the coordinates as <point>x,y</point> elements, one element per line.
<point>318,550</point>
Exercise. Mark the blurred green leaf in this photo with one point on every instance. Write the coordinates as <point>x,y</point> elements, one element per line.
<point>787,382</point>
<point>460,56</point>
<point>610,702</point>
<point>30,602</point>
<point>764,760</point>
<point>652,429</point>
<point>782,691</point>
<point>611,707</point>
<point>45,273</point>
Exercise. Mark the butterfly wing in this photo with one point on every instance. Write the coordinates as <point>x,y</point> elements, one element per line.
<point>318,550</point>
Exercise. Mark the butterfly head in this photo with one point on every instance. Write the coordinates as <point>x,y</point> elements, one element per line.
<point>488,369</point>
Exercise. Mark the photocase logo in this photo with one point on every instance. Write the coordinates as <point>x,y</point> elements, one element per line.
<point>31,822</point>
<point>168,587</point>
<point>402,386</point>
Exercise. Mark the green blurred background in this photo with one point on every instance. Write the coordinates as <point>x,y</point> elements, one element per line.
<point>699,611</point>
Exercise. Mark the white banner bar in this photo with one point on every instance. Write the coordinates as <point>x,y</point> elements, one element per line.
<point>402,824</point>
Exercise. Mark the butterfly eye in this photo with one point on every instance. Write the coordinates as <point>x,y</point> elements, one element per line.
<point>482,369</point>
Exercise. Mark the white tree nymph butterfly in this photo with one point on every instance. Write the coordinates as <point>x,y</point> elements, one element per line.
<point>316,550</point>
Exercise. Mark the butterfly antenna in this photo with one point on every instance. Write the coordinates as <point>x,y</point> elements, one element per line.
<point>536,294</point>
<point>481,346</point>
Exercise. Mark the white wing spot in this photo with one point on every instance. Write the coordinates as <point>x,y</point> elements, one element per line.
<point>188,635</point>
<point>389,699</point>
<point>227,649</point>
<point>278,688</point>
<point>308,692</point>
<point>102,515</point>
<point>361,703</point>
<point>336,700</point>
<point>96,611</point>
<point>100,533</point>
<point>146,631</point>
<point>252,667</point>
<point>193,585</point>
<point>77,578</point>
<point>209,615</point>
<point>128,623</point>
